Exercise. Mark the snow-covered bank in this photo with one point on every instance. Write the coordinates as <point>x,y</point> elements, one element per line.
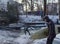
<point>35,18</point>
<point>54,17</point>
<point>43,41</point>
<point>29,18</point>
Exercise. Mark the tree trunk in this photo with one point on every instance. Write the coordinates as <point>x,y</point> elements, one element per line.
<point>45,7</point>
<point>59,9</point>
<point>31,5</point>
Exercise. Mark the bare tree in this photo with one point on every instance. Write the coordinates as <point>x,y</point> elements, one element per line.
<point>59,8</point>
<point>45,7</point>
<point>32,5</point>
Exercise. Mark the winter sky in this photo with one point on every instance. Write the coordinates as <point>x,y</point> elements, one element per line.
<point>41,0</point>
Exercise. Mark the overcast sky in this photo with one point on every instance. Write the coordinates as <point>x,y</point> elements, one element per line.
<point>41,0</point>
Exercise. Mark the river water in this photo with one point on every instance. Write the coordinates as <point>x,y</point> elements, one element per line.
<point>17,37</point>
<point>8,37</point>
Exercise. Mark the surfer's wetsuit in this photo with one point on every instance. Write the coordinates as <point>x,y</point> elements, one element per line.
<point>51,30</point>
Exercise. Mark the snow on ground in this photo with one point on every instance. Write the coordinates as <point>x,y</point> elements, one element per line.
<point>33,18</point>
<point>39,41</point>
<point>43,41</point>
<point>29,18</point>
<point>53,18</point>
<point>58,36</point>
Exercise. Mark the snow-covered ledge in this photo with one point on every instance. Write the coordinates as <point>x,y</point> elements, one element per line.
<point>56,28</point>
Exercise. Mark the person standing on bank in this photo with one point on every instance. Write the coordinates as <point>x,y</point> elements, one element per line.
<point>51,30</point>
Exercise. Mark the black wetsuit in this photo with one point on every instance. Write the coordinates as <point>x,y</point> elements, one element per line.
<point>51,30</point>
<point>26,30</point>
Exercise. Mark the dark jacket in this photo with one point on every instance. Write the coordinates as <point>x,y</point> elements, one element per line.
<point>51,26</point>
